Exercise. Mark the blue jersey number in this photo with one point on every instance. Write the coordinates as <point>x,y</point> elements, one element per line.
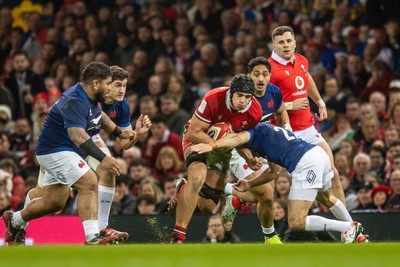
<point>285,133</point>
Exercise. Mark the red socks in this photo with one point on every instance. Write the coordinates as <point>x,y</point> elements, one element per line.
<point>179,233</point>
<point>237,203</point>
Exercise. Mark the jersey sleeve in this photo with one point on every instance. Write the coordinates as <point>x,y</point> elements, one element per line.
<point>203,111</point>
<point>277,96</point>
<point>74,113</point>
<point>251,140</point>
<point>125,120</point>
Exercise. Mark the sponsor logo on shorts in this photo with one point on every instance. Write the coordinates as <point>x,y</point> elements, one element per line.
<point>81,164</point>
<point>311,177</point>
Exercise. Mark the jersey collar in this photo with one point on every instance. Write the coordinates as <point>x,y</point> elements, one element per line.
<point>280,60</point>
<point>228,103</point>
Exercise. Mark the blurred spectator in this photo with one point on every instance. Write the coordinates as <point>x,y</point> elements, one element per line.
<point>146,206</point>
<point>380,196</point>
<point>131,154</point>
<point>167,163</point>
<point>282,185</point>
<point>160,136</point>
<point>350,194</point>
<point>5,116</point>
<point>149,190</point>
<point>177,86</point>
<point>393,149</point>
<point>124,202</point>
<point>184,55</point>
<point>378,100</point>
<point>356,78</point>
<point>349,148</point>
<point>364,197</point>
<point>390,135</point>
<point>379,80</point>
<point>18,184</point>
<point>216,233</point>
<point>368,133</point>
<point>164,68</point>
<point>393,203</point>
<point>379,165</point>
<point>23,84</point>
<point>40,104</point>
<point>21,137</point>
<point>148,106</point>
<point>394,116</point>
<point>4,200</point>
<point>340,130</point>
<point>169,189</point>
<point>176,117</point>
<point>342,163</point>
<point>353,112</point>
<point>361,165</point>
<point>136,84</point>
<point>138,171</point>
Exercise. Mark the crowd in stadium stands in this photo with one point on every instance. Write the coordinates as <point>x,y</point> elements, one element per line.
<point>176,51</point>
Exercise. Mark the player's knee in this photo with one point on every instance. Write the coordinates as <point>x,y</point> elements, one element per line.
<point>196,157</point>
<point>208,192</point>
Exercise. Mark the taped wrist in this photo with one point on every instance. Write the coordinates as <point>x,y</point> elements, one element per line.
<point>117,131</point>
<point>90,148</point>
<point>321,103</point>
<point>289,105</point>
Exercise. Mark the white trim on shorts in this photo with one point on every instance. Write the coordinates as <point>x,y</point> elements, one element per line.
<point>65,167</point>
<point>239,167</point>
<point>310,135</point>
<point>313,173</point>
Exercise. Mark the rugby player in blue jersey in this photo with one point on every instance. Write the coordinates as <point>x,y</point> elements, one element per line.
<point>311,173</point>
<point>270,98</point>
<point>64,142</point>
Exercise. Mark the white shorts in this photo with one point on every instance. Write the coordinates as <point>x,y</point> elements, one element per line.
<point>310,135</point>
<point>64,167</point>
<point>93,163</point>
<point>313,173</point>
<point>239,167</point>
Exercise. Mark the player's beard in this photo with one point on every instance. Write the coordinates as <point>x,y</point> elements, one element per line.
<point>99,96</point>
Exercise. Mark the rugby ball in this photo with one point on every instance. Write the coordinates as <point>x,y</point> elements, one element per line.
<point>219,130</point>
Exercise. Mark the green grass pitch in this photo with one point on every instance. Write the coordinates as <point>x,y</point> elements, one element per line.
<point>193,255</point>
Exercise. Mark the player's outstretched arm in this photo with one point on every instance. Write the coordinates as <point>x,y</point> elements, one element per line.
<point>229,141</point>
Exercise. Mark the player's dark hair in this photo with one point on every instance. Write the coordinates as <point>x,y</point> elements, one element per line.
<point>258,61</point>
<point>118,73</point>
<point>242,83</point>
<point>95,71</point>
<point>278,31</point>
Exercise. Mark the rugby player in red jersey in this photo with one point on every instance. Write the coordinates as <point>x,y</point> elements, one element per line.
<point>292,77</point>
<point>235,104</point>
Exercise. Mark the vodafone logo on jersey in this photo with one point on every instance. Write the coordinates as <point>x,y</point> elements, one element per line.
<point>299,82</point>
